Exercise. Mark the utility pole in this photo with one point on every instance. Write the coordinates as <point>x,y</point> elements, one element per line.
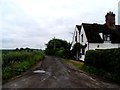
<point>54,42</point>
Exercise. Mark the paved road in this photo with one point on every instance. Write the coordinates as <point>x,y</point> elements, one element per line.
<point>56,75</point>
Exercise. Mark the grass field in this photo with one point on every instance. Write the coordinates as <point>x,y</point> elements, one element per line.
<point>15,62</point>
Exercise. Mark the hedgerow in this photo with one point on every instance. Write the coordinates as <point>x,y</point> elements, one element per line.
<point>107,60</point>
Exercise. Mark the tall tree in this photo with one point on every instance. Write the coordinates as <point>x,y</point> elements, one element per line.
<point>58,46</point>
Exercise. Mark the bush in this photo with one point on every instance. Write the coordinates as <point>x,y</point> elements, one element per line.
<point>20,68</point>
<point>107,60</point>
<point>7,73</point>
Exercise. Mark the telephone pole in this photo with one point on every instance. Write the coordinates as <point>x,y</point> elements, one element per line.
<point>54,43</point>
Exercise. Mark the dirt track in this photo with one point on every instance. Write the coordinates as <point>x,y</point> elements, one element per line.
<point>56,75</point>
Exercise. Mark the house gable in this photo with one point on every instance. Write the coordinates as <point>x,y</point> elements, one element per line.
<point>76,35</point>
<point>83,38</point>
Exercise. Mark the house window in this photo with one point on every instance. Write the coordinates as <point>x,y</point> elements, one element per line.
<point>82,37</point>
<point>107,37</point>
<point>76,37</point>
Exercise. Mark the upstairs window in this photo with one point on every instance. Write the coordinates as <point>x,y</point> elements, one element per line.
<point>107,37</point>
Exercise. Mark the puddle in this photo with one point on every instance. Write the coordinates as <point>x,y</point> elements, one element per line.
<point>39,71</point>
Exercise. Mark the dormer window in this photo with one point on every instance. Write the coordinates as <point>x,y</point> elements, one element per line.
<point>107,37</point>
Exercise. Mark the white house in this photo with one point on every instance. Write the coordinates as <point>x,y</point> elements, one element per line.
<point>98,36</point>
<point>76,35</point>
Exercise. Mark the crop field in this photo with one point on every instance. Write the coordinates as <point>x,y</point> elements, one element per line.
<point>15,62</point>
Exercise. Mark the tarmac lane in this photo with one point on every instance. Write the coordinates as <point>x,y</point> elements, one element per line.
<point>53,73</point>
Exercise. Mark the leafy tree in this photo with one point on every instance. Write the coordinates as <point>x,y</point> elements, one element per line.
<point>17,49</point>
<point>76,50</point>
<point>21,49</point>
<point>58,47</point>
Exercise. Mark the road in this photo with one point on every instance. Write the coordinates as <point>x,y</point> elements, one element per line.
<point>56,74</point>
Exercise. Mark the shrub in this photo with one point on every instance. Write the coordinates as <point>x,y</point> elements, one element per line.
<point>7,73</point>
<point>107,60</point>
<point>21,67</point>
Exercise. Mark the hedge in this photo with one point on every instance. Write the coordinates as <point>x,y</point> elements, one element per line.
<point>105,59</point>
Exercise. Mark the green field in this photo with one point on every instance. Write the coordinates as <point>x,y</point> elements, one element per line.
<point>15,62</point>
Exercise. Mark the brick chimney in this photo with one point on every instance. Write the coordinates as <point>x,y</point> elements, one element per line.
<point>110,20</point>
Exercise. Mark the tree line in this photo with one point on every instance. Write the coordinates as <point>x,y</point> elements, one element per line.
<point>61,48</point>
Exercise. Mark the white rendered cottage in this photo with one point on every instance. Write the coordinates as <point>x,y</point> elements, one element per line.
<point>97,36</point>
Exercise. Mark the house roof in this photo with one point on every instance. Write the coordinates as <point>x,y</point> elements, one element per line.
<point>79,28</point>
<point>92,32</point>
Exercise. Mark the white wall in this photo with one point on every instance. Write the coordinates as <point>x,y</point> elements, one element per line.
<point>78,38</point>
<point>118,45</point>
<point>93,46</point>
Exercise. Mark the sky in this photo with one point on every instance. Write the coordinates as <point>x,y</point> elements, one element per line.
<point>32,23</point>
<point>119,13</point>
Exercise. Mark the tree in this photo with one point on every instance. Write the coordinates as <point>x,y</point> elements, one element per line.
<point>58,47</point>
<point>21,49</point>
<point>17,49</point>
<point>76,50</point>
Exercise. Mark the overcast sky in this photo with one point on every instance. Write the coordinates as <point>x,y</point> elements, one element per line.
<point>32,23</point>
<point>119,13</point>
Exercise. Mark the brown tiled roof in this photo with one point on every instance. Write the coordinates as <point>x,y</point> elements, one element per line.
<point>92,32</point>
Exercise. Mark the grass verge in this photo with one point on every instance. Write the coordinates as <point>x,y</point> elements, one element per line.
<point>93,71</point>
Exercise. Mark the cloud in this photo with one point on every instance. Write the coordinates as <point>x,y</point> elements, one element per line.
<point>32,23</point>
<point>119,13</point>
